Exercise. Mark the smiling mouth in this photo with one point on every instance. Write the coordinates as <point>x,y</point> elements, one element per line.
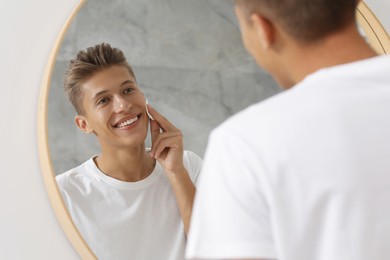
<point>127,122</point>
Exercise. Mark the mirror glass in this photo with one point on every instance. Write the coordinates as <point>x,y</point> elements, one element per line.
<point>188,59</point>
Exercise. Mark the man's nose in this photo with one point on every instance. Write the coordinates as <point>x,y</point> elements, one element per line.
<point>121,104</point>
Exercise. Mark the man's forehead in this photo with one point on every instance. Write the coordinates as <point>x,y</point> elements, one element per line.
<point>108,79</point>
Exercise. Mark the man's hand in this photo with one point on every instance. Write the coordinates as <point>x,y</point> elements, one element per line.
<point>167,143</point>
<point>167,148</point>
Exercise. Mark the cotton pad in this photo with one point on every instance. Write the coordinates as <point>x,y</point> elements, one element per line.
<point>147,111</point>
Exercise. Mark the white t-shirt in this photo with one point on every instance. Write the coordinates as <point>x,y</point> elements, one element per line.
<point>304,175</point>
<point>127,220</point>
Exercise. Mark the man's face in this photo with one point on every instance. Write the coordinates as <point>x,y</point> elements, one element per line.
<point>114,108</point>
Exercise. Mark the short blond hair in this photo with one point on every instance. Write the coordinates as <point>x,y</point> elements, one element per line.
<point>85,65</point>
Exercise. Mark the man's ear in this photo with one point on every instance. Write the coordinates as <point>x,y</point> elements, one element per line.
<point>83,124</point>
<point>265,30</point>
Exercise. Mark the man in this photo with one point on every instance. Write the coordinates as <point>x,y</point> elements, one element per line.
<point>305,174</point>
<point>127,202</point>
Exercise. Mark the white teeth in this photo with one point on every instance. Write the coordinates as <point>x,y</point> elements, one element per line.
<point>128,122</point>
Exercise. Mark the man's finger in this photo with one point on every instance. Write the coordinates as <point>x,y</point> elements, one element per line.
<point>167,135</point>
<point>170,143</point>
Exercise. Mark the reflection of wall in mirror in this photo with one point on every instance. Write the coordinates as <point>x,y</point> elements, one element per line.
<point>188,59</point>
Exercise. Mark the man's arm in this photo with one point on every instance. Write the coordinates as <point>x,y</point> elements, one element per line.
<point>167,148</point>
<point>184,191</point>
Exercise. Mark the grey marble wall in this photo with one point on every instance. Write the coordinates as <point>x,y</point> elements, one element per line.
<point>188,59</point>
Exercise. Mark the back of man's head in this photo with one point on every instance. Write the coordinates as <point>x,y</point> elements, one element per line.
<point>304,20</point>
<point>85,65</point>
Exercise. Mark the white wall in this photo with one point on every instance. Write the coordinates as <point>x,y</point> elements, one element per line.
<point>28,228</point>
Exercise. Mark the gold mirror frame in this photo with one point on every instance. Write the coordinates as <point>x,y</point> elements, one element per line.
<point>374,31</point>
<point>376,34</point>
<point>47,169</point>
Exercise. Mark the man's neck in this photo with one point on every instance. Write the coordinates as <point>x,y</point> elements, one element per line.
<point>339,48</point>
<point>126,164</point>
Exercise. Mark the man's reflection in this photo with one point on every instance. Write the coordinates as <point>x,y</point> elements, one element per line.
<point>128,202</point>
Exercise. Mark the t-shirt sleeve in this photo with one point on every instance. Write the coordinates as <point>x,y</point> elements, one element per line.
<point>193,164</point>
<point>230,218</point>
<point>62,184</point>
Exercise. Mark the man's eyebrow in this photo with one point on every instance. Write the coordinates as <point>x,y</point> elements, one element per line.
<point>105,91</point>
<point>127,81</point>
<point>99,93</point>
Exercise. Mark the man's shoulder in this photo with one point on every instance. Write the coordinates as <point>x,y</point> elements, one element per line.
<point>193,164</point>
<point>190,156</point>
<point>73,175</point>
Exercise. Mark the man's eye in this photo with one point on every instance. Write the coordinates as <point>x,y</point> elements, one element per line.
<point>128,90</point>
<point>102,101</point>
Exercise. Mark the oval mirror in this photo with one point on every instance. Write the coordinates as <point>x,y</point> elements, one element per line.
<point>178,49</point>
